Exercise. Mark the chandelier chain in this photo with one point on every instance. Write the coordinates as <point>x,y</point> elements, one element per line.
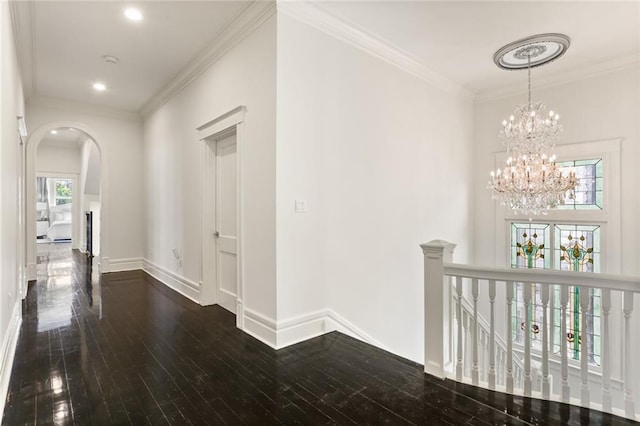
<point>529,79</point>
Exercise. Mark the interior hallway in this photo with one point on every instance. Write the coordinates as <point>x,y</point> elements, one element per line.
<point>125,349</point>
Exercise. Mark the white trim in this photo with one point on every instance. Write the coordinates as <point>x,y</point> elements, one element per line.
<point>30,197</point>
<point>130,264</point>
<point>307,326</point>
<point>104,265</point>
<point>22,14</point>
<point>9,344</point>
<point>187,288</point>
<point>102,111</point>
<point>348,32</point>
<point>618,64</point>
<point>32,274</point>
<point>222,123</point>
<point>218,128</point>
<point>261,327</point>
<point>297,329</point>
<point>303,327</point>
<point>346,327</point>
<point>249,19</point>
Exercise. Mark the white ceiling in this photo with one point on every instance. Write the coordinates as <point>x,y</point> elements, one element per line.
<point>64,138</point>
<point>458,39</point>
<point>66,40</point>
<point>70,38</point>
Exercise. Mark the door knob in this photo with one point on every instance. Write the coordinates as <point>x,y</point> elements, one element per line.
<point>216,234</point>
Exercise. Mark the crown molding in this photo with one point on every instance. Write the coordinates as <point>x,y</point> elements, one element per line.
<point>248,20</point>
<point>62,104</point>
<point>578,74</point>
<point>349,33</point>
<point>24,33</point>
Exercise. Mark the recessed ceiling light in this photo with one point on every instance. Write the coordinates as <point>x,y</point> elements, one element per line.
<point>100,87</point>
<point>133,14</point>
<point>54,132</point>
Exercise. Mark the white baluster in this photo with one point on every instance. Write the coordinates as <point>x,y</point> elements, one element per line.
<point>483,354</point>
<point>564,372</point>
<point>492,336</point>
<point>509,336</point>
<point>629,407</point>
<point>474,369</point>
<point>544,293</point>
<point>604,358</point>
<point>526,293</point>
<point>459,317</point>
<point>584,346</point>
<point>552,317</point>
<point>468,355</point>
<point>502,369</point>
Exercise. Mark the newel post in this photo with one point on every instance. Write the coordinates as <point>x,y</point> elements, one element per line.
<point>436,306</point>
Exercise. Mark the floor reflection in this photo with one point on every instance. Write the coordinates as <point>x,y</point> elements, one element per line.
<point>55,289</point>
<point>156,358</point>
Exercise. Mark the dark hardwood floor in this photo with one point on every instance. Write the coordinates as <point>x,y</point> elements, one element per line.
<point>123,349</point>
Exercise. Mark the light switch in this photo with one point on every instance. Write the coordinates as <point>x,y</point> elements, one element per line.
<point>301,206</point>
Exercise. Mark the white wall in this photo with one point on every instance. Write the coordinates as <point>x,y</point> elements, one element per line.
<point>172,163</point>
<point>54,159</point>
<point>90,168</point>
<point>384,162</point>
<point>11,106</point>
<point>120,141</point>
<point>90,192</point>
<point>92,203</point>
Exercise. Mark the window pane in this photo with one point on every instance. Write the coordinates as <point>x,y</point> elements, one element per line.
<point>530,245</point>
<point>63,192</point>
<point>588,192</point>
<point>578,249</point>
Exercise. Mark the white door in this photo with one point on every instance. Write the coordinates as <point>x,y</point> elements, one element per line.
<point>226,227</point>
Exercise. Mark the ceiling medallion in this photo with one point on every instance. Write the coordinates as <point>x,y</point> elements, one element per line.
<point>541,49</point>
<point>532,182</point>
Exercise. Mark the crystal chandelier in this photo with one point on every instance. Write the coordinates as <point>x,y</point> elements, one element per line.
<point>531,181</point>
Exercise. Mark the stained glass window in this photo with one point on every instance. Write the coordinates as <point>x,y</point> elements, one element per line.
<point>571,247</point>
<point>588,193</point>
<point>530,248</point>
<point>577,248</point>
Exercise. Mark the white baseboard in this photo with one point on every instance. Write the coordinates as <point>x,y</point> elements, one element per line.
<point>185,287</point>
<point>9,351</point>
<point>32,272</point>
<point>314,324</point>
<point>260,327</point>
<point>297,329</point>
<point>131,264</point>
<point>104,265</point>
<point>338,323</point>
<point>239,314</point>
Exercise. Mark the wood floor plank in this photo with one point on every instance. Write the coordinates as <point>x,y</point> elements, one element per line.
<point>123,349</point>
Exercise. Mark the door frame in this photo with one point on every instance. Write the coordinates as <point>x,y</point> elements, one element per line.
<point>29,231</point>
<point>209,133</point>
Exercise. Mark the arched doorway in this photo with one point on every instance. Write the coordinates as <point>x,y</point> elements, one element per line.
<point>29,190</point>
